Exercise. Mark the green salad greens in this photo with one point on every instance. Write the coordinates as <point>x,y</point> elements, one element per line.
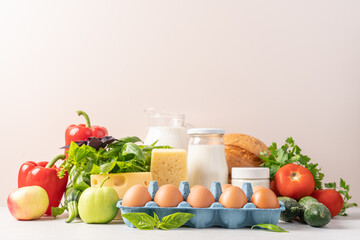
<point>100,156</point>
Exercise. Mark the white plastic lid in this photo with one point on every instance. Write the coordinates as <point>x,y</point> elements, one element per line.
<point>250,172</point>
<point>206,131</point>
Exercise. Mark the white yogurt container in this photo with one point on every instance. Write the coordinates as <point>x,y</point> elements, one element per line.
<point>257,176</point>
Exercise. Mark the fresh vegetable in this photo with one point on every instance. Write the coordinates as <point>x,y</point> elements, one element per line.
<point>273,188</point>
<point>343,189</point>
<point>80,132</point>
<point>145,222</point>
<point>317,215</point>
<point>98,205</point>
<point>44,174</point>
<point>72,196</point>
<point>292,209</point>
<point>294,181</point>
<point>290,153</point>
<point>304,203</point>
<point>270,227</point>
<point>102,156</point>
<point>28,203</point>
<point>331,199</point>
<point>314,213</point>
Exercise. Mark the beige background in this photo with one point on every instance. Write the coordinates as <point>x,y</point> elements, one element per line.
<point>271,69</point>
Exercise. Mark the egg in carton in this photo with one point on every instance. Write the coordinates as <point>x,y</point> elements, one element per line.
<point>215,215</point>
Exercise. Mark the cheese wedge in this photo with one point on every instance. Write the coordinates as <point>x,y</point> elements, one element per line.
<point>169,166</point>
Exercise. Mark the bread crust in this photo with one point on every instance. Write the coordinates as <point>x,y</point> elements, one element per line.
<point>242,151</point>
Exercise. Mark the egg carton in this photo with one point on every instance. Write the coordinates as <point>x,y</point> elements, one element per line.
<point>215,215</point>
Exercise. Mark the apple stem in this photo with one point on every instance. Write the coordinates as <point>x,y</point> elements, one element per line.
<point>102,183</point>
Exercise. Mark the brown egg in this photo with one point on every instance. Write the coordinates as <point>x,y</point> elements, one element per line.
<point>196,186</point>
<point>136,196</point>
<point>258,187</point>
<point>226,186</point>
<point>233,197</point>
<point>168,196</point>
<point>265,198</point>
<point>200,197</point>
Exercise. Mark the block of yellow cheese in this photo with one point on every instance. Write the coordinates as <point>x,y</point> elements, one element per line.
<point>169,166</point>
<point>121,182</point>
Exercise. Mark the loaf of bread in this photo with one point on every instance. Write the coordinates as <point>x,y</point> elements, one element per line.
<point>242,151</point>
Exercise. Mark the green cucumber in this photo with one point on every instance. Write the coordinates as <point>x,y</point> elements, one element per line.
<point>314,213</point>
<point>317,215</point>
<point>304,203</point>
<point>292,209</point>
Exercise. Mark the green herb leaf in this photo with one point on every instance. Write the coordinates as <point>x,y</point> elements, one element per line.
<point>130,139</point>
<point>270,227</point>
<point>107,167</point>
<point>140,220</point>
<point>95,169</point>
<point>56,211</point>
<point>133,149</point>
<point>82,182</point>
<point>174,220</point>
<point>157,220</point>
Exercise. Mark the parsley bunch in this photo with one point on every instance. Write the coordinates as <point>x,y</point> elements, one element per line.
<point>290,153</point>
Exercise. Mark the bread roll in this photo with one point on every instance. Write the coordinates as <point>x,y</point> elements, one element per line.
<point>242,151</point>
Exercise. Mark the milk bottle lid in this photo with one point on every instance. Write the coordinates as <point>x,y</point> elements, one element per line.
<point>205,131</point>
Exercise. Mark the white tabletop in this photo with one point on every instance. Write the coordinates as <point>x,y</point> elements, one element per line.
<point>50,228</point>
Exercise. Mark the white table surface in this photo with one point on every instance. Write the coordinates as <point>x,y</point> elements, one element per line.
<point>50,228</point>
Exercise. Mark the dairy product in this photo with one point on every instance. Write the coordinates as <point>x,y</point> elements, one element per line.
<point>121,182</point>
<point>256,176</point>
<point>174,137</point>
<point>169,166</point>
<point>207,163</point>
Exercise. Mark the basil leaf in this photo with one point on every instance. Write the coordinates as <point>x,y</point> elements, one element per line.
<point>72,150</point>
<point>107,167</point>
<point>140,220</point>
<point>156,218</point>
<point>81,182</point>
<point>133,149</point>
<point>56,211</point>
<point>270,227</point>
<point>95,169</point>
<point>130,139</point>
<point>174,220</point>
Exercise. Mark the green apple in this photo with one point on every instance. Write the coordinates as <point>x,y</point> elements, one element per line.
<point>28,203</point>
<point>98,205</point>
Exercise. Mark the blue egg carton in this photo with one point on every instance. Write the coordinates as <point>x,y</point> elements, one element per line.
<point>215,215</point>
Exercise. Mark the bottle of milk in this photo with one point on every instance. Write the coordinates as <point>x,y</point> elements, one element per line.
<point>167,129</point>
<point>206,157</point>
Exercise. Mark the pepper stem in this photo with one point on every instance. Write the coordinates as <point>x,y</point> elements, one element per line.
<point>52,162</point>
<point>87,119</point>
<point>102,183</point>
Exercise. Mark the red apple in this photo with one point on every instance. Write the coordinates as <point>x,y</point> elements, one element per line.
<point>28,203</point>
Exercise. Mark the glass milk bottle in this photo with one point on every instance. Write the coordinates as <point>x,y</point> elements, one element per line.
<point>166,129</point>
<point>206,157</point>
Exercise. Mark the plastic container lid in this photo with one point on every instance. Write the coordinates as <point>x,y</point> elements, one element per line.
<point>250,172</point>
<point>205,131</point>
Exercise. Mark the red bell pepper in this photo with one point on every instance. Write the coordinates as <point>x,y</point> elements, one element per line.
<point>44,174</point>
<point>82,132</point>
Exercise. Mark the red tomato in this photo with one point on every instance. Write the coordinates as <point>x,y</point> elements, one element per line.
<point>294,181</point>
<point>273,188</point>
<point>331,199</point>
